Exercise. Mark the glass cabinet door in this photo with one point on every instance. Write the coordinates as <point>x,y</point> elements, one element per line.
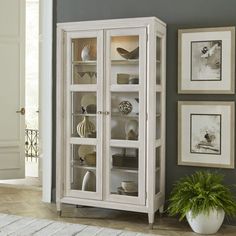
<point>83,115</point>
<point>125,115</point>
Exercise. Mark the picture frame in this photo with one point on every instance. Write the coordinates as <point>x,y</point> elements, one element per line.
<point>206,134</point>
<point>206,61</point>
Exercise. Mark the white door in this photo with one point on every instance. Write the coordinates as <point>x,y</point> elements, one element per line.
<point>12,67</point>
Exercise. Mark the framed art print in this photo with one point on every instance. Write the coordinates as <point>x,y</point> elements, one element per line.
<point>206,60</point>
<point>206,134</point>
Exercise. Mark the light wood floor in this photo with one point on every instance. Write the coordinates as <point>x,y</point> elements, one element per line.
<point>27,202</point>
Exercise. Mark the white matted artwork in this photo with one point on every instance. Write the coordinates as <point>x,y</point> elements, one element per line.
<point>206,134</point>
<point>206,60</point>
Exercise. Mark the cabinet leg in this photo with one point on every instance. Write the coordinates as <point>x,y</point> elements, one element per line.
<point>161,209</point>
<point>59,209</point>
<point>151,219</point>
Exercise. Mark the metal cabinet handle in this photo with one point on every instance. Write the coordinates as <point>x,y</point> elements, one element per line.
<point>106,112</point>
<point>21,111</point>
<point>99,112</point>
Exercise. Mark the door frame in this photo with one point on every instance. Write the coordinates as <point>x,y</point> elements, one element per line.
<point>45,94</point>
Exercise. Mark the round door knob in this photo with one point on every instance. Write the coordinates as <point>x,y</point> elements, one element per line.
<point>21,111</point>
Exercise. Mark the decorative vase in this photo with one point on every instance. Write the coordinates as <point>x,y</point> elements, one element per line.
<point>89,182</point>
<point>85,127</point>
<point>125,107</point>
<point>131,129</point>
<point>206,223</point>
<point>85,53</point>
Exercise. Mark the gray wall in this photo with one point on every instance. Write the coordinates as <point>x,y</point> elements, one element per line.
<point>177,14</point>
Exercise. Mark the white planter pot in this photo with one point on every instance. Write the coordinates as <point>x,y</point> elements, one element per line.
<point>206,224</point>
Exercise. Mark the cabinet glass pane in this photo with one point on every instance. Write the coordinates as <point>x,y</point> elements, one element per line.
<point>125,60</point>
<point>83,167</point>
<point>124,171</point>
<point>158,60</point>
<point>84,114</point>
<point>158,115</point>
<point>84,61</point>
<point>157,185</point>
<point>125,115</point>
<point>158,165</point>
<point>158,157</point>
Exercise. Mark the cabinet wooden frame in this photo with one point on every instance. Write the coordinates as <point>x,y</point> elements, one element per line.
<point>148,29</point>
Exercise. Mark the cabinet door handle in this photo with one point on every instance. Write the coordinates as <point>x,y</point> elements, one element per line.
<point>21,111</point>
<point>106,112</point>
<point>99,112</point>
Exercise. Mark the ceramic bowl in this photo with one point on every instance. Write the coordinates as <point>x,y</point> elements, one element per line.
<point>128,55</point>
<point>129,186</point>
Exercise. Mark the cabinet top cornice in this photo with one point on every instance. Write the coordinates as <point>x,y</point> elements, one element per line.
<point>111,23</point>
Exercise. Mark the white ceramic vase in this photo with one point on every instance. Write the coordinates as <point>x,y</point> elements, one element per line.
<point>85,53</point>
<point>204,223</point>
<point>89,182</point>
<point>85,127</point>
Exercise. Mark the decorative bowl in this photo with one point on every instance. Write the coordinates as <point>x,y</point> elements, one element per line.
<point>122,78</point>
<point>128,55</point>
<point>131,129</point>
<point>125,107</point>
<point>91,109</point>
<point>83,150</point>
<point>90,159</point>
<point>121,191</point>
<point>133,80</point>
<point>129,186</point>
<point>88,99</point>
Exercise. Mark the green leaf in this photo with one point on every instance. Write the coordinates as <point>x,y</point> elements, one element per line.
<point>200,192</point>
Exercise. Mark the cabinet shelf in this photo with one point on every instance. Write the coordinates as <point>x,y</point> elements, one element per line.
<point>125,88</point>
<point>125,170</point>
<point>120,115</point>
<point>83,141</point>
<point>125,62</point>
<point>76,164</point>
<point>130,115</point>
<point>83,114</point>
<point>85,63</point>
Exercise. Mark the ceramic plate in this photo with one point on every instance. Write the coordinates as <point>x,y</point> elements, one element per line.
<point>88,99</point>
<point>85,149</point>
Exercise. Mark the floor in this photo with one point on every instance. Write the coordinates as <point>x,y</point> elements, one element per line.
<point>27,202</point>
<point>30,181</point>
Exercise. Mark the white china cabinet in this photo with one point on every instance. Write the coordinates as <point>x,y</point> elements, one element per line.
<point>111,114</point>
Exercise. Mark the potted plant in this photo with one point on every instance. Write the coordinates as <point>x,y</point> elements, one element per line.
<point>204,200</point>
